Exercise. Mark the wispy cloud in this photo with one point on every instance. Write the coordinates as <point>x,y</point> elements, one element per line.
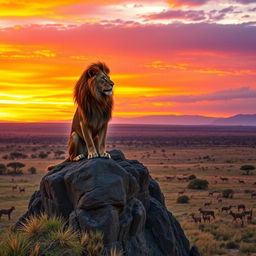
<point>225,95</point>
<point>188,2</point>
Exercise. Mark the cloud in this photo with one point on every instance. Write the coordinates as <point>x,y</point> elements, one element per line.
<point>150,40</point>
<point>191,15</point>
<point>224,95</point>
<point>187,2</point>
<point>178,14</point>
<point>245,1</point>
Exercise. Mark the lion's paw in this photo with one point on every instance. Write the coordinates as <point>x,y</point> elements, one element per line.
<point>105,155</point>
<point>92,155</point>
<point>78,158</point>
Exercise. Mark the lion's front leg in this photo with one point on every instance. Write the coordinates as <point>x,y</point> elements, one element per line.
<point>102,142</point>
<point>87,135</point>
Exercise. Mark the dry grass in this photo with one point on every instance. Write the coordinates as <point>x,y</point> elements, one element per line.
<point>206,162</point>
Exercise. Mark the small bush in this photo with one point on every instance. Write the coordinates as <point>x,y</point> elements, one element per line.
<point>192,177</point>
<point>182,200</point>
<point>232,245</point>
<point>43,155</point>
<point>198,184</point>
<point>32,170</point>
<point>228,193</point>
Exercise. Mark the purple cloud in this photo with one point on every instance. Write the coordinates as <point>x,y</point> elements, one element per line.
<point>188,2</point>
<point>231,94</point>
<point>178,14</point>
<point>245,1</point>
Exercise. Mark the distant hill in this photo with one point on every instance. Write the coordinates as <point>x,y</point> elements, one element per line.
<point>245,120</point>
<point>239,120</point>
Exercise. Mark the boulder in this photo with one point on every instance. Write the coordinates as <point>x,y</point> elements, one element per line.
<point>116,196</point>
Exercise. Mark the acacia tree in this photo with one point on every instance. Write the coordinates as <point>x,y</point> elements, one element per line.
<point>247,169</point>
<point>16,166</point>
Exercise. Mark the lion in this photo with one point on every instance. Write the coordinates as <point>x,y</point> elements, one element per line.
<point>93,94</point>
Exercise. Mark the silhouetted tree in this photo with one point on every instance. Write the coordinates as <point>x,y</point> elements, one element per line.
<point>247,169</point>
<point>2,169</point>
<point>16,166</point>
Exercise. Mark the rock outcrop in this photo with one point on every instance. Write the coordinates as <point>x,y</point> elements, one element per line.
<point>116,196</point>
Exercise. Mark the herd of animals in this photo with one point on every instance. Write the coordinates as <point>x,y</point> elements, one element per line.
<point>243,214</point>
<point>237,212</point>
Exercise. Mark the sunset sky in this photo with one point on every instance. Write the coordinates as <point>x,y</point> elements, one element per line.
<point>166,57</point>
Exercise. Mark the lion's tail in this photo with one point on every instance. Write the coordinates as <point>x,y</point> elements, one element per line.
<point>50,167</point>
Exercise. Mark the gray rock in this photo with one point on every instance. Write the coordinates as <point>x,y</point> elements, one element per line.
<point>116,196</point>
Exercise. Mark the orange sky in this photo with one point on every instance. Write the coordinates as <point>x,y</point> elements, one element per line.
<point>166,57</point>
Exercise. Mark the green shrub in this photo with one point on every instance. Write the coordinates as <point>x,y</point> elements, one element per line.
<point>228,193</point>
<point>232,245</point>
<point>182,200</point>
<point>198,184</point>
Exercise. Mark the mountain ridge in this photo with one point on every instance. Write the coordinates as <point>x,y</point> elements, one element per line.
<point>238,120</point>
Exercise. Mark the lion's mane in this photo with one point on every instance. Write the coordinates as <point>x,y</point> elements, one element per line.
<point>89,102</point>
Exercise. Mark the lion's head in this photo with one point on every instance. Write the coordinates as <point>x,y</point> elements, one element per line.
<point>94,89</point>
<point>94,83</point>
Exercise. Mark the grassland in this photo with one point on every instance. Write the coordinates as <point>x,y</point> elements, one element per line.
<point>207,152</point>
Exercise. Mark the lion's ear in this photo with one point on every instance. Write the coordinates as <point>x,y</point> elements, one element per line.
<point>92,72</point>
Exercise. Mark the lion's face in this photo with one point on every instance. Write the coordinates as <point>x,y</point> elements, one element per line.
<point>102,84</point>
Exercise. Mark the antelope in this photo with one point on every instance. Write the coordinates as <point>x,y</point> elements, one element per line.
<point>204,212</point>
<point>210,193</point>
<point>249,212</point>
<point>224,179</point>
<point>22,189</point>
<point>207,218</point>
<point>226,208</point>
<point>253,194</point>
<point>241,206</point>
<point>237,215</point>
<point>219,200</point>
<point>14,187</point>
<point>241,181</point>
<point>182,192</point>
<point>196,219</point>
<point>207,203</point>
<point>170,177</point>
<point>7,212</point>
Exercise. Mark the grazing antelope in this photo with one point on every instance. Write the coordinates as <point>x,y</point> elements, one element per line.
<point>237,215</point>
<point>197,219</point>
<point>205,212</point>
<point>241,181</point>
<point>249,212</point>
<point>207,203</point>
<point>14,187</point>
<point>211,193</point>
<point>218,196</point>
<point>207,218</point>
<point>182,192</point>
<point>253,194</point>
<point>22,189</point>
<point>170,178</point>
<point>226,208</point>
<point>241,206</point>
<point>7,212</point>
<point>219,200</point>
<point>224,179</point>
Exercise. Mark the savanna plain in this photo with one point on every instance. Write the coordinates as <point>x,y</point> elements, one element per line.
<point>174,155</point>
